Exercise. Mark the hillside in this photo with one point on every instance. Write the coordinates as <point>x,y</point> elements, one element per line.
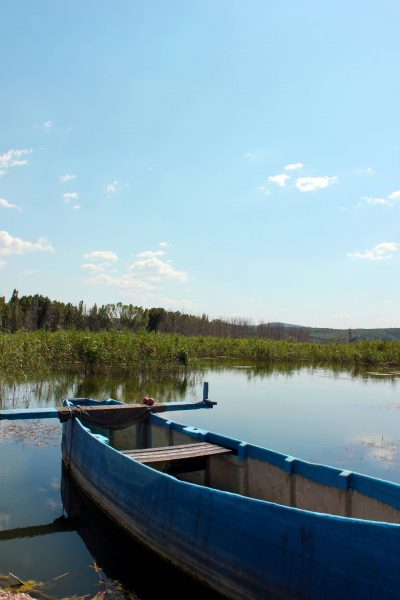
<point>323,335</point>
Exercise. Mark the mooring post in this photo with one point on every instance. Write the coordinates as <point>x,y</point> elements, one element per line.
<point>205,391</point>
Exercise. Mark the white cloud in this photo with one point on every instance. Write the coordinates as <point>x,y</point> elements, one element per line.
<point>155,269</point>
<point>149,273</point>
<point>95,267</point>
<point>375,200</point>
<point>378,200</point>
<point>382,251</point>
<point>249,155</point>
<point>13,158</point>
<point>125,282</point>
<point>48,124</point>
<point>279,179</point>
<point>264,190</point>
<point>310,184</point>
<point>69,196</point>
<point>150,253</point>
<point>111,187</point>
<point>293,166</point>
<point>67,177</point>
<point>77,206</point>
<point>29,273</point>
<point>7,204</point>
<point>106,255</point>
<point>13,245</point>
<point>164,244</point>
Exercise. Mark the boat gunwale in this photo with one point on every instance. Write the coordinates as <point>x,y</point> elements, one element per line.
<point>259,452</point>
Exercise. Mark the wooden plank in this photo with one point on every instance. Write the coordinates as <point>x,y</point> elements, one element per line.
<point>67,411</point>
<point>181,452</point>
<point>162,448</point>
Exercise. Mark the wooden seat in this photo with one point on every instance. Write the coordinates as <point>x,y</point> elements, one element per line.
<point>168,453</point>
<point>179,459</point>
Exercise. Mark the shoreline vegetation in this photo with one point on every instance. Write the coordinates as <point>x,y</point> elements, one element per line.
<point>33,313</point>
<point>30,351</point>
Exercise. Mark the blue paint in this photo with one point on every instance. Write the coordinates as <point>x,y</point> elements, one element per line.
<point>51,413</point>
<point>28,413</point>
<point>379,489</point>
<point>238,544</point>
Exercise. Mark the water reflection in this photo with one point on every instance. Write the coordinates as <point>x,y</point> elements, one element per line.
<point>27,393</point>
<point>120,558</point>
<point>166,386</point>
<point>344,417</point>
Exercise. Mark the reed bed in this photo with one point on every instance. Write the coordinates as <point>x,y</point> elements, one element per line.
<point>32,351</point>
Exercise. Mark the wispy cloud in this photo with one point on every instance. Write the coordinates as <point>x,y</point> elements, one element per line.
<point>69,196</point>
<point>265,190</point>
<point>150,253</point>
<point>77,206</point>
<point>389,200</point>
<point>375,200</point>
<point>164,244</point>
<point>67,177</point>
<point>12,245</point>
<point>103,261</point>
<point>13,158</point>
<point>94,267</point>
<point>155,269</point>
<point>107,255</point>
<point>48,124</point>
<point>148,273</point>
<point>293,166</point>
<point>7,204</point>
<point>279,179</point>
<point>111,187</point>
<point>310,184</point>
<point>382,251</point>
<point>249,155</point>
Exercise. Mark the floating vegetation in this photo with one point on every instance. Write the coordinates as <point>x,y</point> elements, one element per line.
<point>14,588</point>
<point>31,433</point>
<point>374,448</point>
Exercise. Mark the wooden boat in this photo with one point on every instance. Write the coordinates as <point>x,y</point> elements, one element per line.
<point>249,522</point>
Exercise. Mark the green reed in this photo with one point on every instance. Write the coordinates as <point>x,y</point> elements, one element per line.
<point>30,351</point>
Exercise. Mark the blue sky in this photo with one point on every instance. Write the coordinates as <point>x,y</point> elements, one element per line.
<point>233,158</point>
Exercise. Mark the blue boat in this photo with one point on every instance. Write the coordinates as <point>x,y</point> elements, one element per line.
<point>247,521</point>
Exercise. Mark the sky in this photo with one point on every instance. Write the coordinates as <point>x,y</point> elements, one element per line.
<point>210,156</point>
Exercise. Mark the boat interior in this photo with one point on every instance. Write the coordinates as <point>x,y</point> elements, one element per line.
<point>208,459</point>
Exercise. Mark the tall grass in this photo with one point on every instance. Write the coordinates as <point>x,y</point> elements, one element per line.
<point>31,351</point>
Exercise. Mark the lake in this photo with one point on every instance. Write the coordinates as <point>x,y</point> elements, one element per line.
<point>344,418</point>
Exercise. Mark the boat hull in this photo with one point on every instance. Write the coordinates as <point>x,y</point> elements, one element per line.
<point>243,547</point>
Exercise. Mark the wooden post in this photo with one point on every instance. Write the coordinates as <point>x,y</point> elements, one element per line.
<point>205,391</point>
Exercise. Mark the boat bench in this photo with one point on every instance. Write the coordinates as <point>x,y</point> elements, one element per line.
<point>178,459</point>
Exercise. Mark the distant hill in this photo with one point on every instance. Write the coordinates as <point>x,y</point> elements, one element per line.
<point>325,334</point>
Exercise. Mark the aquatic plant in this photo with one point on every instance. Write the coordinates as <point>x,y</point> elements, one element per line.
<point>25,352</point>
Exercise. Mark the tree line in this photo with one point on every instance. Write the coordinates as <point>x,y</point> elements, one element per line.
<point>31,313</point>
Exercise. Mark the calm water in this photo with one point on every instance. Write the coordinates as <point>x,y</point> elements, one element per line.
<point>346,419</point>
